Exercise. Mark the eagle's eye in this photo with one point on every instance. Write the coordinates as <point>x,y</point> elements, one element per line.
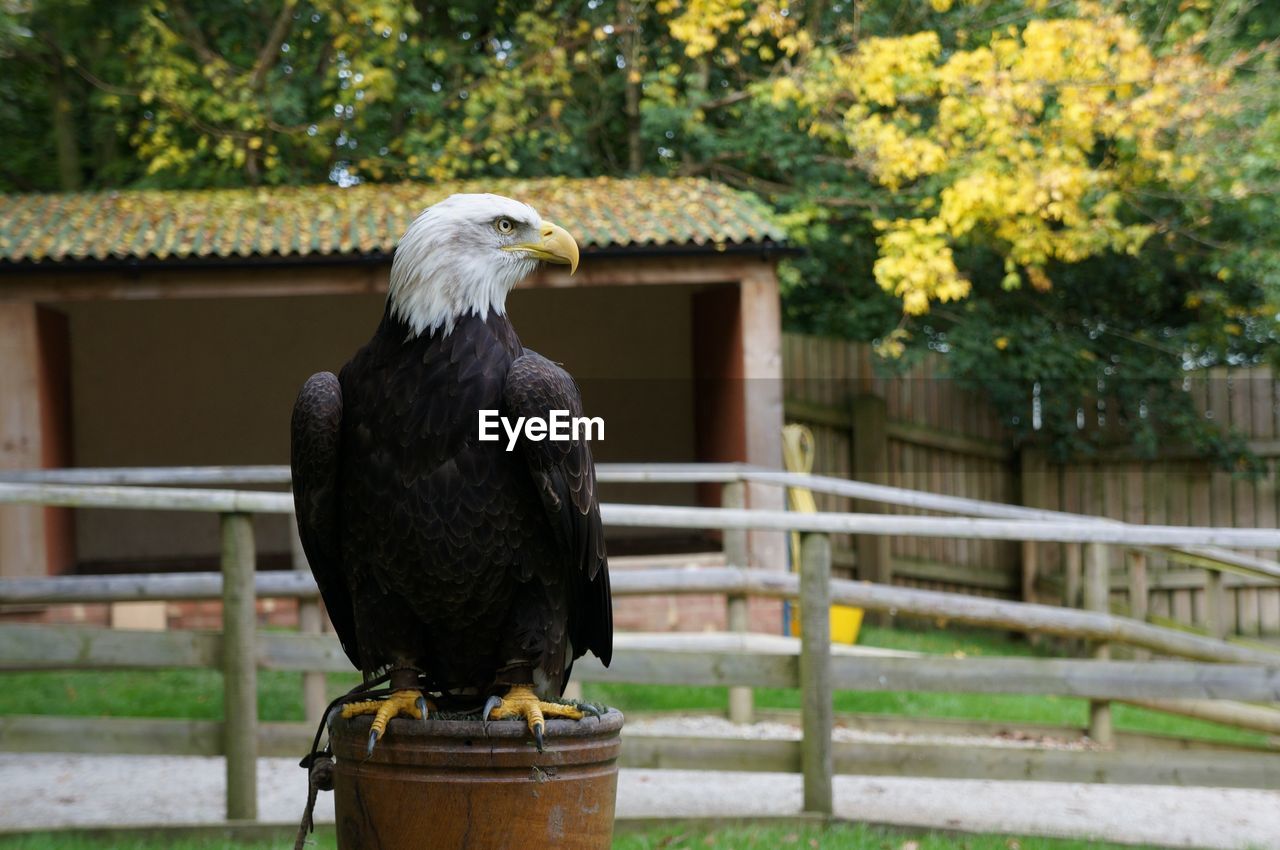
<point>505,225</point>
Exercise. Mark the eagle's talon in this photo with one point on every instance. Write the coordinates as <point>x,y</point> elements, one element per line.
<point>329,718</point>
<point>373,739</point>
<point>412,704</point>
<point>588,708</point>
<point>490,705</point>
<point>522,703</point>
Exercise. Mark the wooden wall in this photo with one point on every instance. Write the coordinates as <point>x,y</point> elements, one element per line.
<point>945,440</point>
<point>34,541</point>
<point>939,439</point>
<point>1179,488</point>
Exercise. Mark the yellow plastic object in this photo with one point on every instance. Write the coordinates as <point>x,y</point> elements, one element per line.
<point>797,455</point>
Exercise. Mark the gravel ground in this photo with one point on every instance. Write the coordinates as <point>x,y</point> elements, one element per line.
<point>45,791</point>
<point>719,727</point>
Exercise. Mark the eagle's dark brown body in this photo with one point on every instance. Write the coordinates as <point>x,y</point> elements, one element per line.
<point>480,567</point>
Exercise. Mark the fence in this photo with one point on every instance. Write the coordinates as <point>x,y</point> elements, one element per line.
<point>919,430</point>
<point>1224,673</point>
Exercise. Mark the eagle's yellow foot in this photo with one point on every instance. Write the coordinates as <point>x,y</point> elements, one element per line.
<point>407,703</point>
<point>522,702</point>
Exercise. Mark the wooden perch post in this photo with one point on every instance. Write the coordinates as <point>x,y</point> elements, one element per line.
<point>467,784</point>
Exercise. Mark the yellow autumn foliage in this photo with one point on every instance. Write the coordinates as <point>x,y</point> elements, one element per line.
<point>704,26</point>
<point>1028,143</point>
<point>1035,138</point>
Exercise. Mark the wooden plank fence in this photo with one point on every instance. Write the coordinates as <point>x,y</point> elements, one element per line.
<point>1223,672</point>
<point>940,438</point>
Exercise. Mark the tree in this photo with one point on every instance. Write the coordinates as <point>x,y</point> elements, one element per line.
<point>1073,201</point>
<point>1046,194</point>
<point>59,131</point>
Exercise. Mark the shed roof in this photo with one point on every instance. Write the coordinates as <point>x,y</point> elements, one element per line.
<point>366,220</point>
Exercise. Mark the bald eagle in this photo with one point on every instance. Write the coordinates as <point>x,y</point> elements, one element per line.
<point>460,568</point>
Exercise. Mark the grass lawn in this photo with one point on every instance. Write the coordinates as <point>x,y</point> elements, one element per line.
<point>668,837</point>
<point>1007,708</point>
<point>835,837</point>
<point>188,694</point>
<point>197,694</point>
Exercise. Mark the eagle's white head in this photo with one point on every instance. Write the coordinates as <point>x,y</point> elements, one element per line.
<point>463,255</point>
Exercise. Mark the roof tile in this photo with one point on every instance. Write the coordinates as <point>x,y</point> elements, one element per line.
<point>292,221</point>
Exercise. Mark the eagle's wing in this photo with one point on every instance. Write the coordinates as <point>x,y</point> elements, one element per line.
<point>315,436</point>
<point>565,477</point>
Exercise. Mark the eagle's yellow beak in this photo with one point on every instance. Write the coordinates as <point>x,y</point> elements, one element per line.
<point>557,246</point>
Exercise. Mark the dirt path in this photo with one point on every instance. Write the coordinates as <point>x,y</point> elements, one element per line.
<point>45,791</point>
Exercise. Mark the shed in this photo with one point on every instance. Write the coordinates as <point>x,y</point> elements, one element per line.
<point>159,328</point>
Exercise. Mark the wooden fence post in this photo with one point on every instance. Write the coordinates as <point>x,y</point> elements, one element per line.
<point>239,667</point>
<point>1033,468</point>
<point>816,760</point>
<point>1097,597</point>
<point>871,463</point>
<point>1215,603</point>
<point>734,495</point>
<point>1139,592</point>
<point>310,622</point>
<point>1072,556</point>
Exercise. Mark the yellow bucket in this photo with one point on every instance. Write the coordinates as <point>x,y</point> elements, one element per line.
<point>797,455</point>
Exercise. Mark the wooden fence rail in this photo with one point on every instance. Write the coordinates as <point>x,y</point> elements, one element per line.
<point>1237,672</point>
<point>1207,557</point>
<point>1216,767</point>
<point>730,581</point>
<point>696,658</point>
<point>146,498</point>
<point>1211,559</point>
<point>891,525</point>
<point>143,587</point>
<point>660,516</point>
<point>208,476</point>
<point>278,475</point>
<point>737,660</point>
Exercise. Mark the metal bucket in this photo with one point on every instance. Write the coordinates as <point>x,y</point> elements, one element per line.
<point>450,785</point>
